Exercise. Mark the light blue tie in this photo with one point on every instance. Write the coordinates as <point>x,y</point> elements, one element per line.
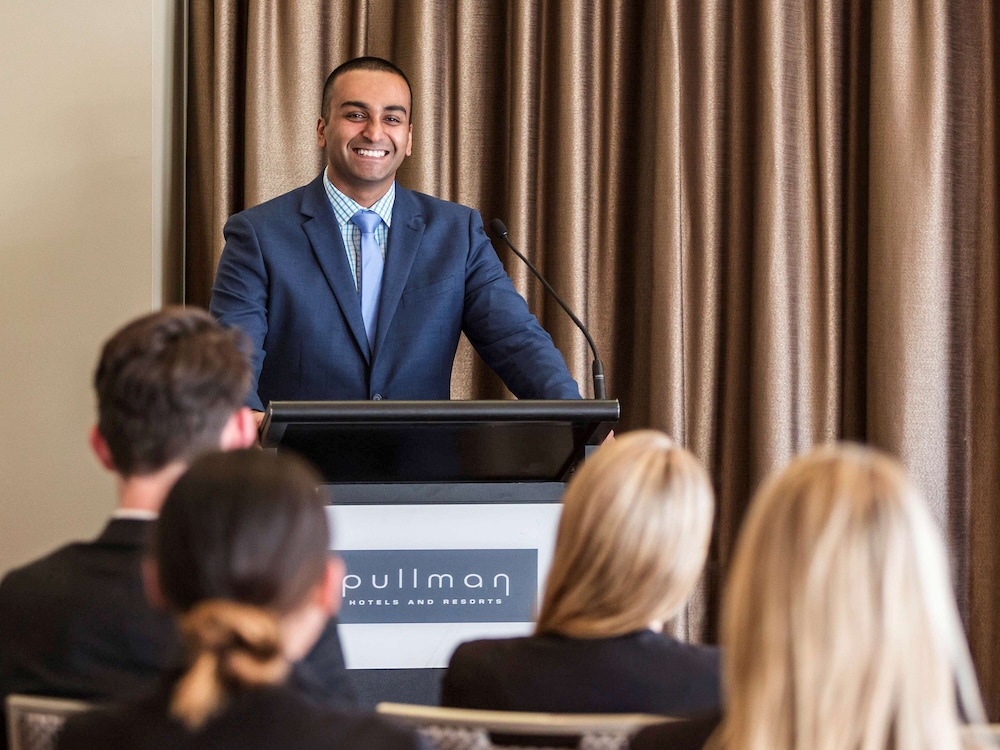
<point>372,265</point>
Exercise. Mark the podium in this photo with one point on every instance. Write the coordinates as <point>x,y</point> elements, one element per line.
<point>445,513</point>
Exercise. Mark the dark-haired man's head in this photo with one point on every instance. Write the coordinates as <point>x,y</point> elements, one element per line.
<point>365,128</point>
<point>170,385</point>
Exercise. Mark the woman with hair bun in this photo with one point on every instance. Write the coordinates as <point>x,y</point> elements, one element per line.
<point>632,541</point>
<point>839,625</point>
<point>240,555</point>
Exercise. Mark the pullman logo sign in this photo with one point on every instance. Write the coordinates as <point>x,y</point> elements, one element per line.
<point>491,585</point>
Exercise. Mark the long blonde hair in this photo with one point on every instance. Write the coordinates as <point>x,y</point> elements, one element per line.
<point>839,627</point>
<point>632,540</point>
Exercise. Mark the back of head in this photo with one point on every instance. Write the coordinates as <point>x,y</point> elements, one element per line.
<point>839,627</point>
<point>166,385</point>
<point>632,541</point>
<point>242,541</point>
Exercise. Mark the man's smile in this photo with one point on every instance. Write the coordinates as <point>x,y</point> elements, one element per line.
<point>377,153</point>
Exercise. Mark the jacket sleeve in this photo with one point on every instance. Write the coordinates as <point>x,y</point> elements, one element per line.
<point>498,323</point>
<point>239,295</point>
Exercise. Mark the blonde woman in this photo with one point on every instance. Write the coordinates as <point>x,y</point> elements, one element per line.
<point>839,625</point>
<point>241,559</point>
<point>632,542</point>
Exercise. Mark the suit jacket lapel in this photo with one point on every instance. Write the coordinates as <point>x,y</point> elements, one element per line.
<point>328,247</point>
<point>404,241</point>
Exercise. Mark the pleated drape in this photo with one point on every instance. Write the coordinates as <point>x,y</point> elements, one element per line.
<point>778,218</point>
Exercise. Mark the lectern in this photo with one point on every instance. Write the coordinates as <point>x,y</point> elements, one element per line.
<point>445,513</point>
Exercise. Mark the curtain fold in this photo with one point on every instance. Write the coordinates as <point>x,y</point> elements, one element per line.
<point>977,203</point>
<point>779,219</point>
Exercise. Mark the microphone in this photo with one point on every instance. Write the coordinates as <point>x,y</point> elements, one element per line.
<point>598,368</point>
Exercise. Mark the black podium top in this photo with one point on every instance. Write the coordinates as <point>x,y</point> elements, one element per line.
<point>439,441</point>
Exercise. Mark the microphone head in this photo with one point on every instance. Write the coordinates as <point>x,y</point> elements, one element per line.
<point>498,226</point>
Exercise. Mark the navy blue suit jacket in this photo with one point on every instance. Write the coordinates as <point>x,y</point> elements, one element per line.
<point>285,281</point>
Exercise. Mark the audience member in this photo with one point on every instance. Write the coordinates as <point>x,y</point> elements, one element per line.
<point>839,627</point>
<point>632,542</point>
<point>76,623</point>
<point>240,556</point>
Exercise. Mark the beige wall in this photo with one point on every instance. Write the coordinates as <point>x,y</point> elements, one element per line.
<point>87,98</point>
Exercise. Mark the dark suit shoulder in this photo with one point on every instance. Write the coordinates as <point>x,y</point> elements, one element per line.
<point>282,206</point>
<point>642,642</point>
<point>650,673</point>
<point>492,647</point>
<point>480,654</point>
<point>360,730</point>
<point>687,734</point>
<point>265,719</point>
<point>98,728</point>
<point>61,564</point>
<point>470,680</point>
<point>76,622</point>
<point>38,568</point>
<point>413,202</point>
<point>683,652</point>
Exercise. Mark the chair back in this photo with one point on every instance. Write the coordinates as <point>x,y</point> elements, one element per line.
<point>34,721</point>
<point>470,729</point>
<point>982,735</point>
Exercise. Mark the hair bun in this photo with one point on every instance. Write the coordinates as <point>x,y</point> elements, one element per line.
<point>232,644</point>
<point>221,624</point>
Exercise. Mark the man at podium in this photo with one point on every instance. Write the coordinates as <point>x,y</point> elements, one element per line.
<point>352,287</point>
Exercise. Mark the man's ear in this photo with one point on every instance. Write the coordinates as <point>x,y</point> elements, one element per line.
<point>330,590</point>
<point>100,448</point>
<point>240,431</point>
<point>151,585</point>
<point>321,133</point>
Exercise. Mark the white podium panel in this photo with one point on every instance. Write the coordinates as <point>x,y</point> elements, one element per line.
<point>423,578</point>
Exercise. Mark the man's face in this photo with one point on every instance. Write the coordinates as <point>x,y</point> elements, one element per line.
<point>367,133</point>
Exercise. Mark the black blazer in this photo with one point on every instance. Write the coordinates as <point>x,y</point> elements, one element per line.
<point>284,279</point>
<point>76,624</point>
<point>642,672</point>
<point>689,734</point>
<point>272,718</point>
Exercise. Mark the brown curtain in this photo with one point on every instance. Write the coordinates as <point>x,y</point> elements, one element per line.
<point>778,218</point>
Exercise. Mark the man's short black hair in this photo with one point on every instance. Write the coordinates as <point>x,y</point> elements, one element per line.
<point>361,63</point>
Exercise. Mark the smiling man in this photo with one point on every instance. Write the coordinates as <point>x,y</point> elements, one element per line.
<point>352,287</point>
